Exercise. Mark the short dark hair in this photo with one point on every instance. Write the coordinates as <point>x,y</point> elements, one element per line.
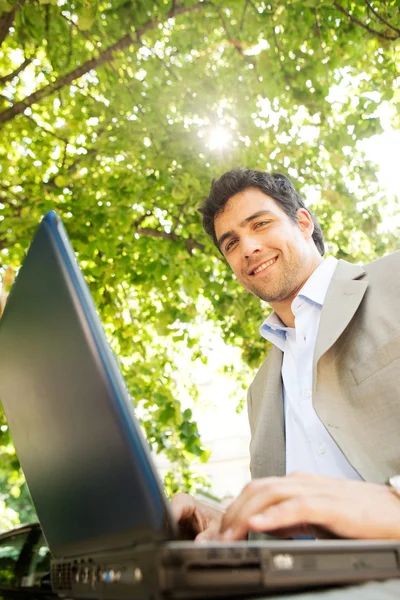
<point>277,186</point>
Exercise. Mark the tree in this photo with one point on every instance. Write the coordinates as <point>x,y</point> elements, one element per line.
<point>115,114</point>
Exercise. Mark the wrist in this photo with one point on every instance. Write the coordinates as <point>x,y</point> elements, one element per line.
<point>393,484</point>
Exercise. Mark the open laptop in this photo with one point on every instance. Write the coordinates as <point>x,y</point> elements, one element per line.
<point>96,491</point>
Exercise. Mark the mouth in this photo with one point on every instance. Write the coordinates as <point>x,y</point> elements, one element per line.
<point>263,266</point>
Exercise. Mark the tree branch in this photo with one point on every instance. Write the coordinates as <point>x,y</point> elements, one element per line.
<point>170,71</point>
<point>7,19</point>
<point>151,232</point>
<point>64,158</point>
<point>381,19</point>
<point>104,57</point>
<point>246,4</point>
<point>75,26</point>
<point>363,25</point>
<point>16,72</point>
<point>189,243</point>
<point>142,218</point>
<point>238,44</point>
<point>318,26</point>
<point>76,164</point>
<point>49,131</point>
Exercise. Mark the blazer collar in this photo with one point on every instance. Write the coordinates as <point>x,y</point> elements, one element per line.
<point>268,440</point>
<point>344,295</point>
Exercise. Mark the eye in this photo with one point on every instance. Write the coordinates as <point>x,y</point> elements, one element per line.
<point>261,223</point>
<point>230,245</point>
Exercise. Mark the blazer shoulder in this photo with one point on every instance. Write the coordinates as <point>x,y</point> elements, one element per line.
<point>389,259</point>
<point>385,270</point>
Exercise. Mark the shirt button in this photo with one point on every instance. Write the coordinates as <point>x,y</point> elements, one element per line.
<point>321,449</point>
<point>307,393</point>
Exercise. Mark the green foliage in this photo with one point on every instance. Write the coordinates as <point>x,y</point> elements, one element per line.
<point>108,114</point>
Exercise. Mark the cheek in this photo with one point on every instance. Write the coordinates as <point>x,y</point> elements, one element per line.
<point>236,268</point>
<point>289,244</point>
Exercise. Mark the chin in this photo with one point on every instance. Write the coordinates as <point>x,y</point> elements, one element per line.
<point>269,295</point>
<point>264,295</point>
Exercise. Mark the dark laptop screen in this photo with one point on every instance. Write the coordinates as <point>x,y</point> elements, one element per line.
<point>85,460</point>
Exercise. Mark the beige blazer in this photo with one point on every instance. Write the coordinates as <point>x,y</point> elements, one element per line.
<point>356,375</point>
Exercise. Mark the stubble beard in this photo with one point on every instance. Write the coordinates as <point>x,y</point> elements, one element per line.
<point>281,287</point>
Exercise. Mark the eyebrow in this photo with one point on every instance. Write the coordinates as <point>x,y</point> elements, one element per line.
<point>245,222</point>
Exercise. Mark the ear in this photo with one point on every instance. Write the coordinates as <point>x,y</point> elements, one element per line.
<point>305,223</point>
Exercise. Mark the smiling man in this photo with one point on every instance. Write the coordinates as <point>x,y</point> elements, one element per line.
<point>272,253</point>
<point>326,401</point>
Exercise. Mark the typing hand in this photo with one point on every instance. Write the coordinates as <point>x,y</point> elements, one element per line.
<point>300,503</point>
<point>197,520</point>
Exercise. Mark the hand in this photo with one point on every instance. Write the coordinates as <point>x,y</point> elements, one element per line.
<point>197,520</point>
<point>302,503</point>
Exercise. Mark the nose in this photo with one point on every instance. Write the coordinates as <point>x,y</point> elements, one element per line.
<point>250,245</point>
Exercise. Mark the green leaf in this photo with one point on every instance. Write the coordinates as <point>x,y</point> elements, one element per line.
<point>86,19</point>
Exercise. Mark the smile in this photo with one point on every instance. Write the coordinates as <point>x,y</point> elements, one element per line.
<point>264,266</point>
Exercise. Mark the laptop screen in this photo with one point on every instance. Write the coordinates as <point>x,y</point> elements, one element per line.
<point>86,462</point>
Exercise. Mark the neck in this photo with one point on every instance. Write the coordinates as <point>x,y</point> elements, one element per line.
<point>284,312</point>
<point>283,308</point>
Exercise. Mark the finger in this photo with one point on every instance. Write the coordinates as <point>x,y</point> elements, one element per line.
<point>183,506</point>
<point>260,494</point>
<point>210,534</point>
<point>292,513</point>
<point>252,500</point>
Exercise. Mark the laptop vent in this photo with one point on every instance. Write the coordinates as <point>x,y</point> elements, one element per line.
<point>61,576</point>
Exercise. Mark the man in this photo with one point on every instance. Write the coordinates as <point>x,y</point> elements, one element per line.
<point>326,400</point>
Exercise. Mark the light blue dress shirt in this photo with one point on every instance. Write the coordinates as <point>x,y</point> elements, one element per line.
<point>309,446</point>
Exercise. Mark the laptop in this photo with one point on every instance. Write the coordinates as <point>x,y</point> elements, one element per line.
<point>92,479</point>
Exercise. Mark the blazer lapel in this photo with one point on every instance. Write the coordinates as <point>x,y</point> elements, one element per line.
<point>268,444</point>
<point>343,298</point>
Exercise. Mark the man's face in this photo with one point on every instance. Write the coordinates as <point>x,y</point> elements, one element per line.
<point>271,256</point>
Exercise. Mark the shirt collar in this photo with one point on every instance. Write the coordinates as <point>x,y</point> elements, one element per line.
<point>314,290</point>
<point>316,286</point>
<point>274,330</point>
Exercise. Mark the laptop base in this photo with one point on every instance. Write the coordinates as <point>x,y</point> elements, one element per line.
<point>189,570</point>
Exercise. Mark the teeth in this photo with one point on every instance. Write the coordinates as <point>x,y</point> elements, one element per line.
<point>264,266</point>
